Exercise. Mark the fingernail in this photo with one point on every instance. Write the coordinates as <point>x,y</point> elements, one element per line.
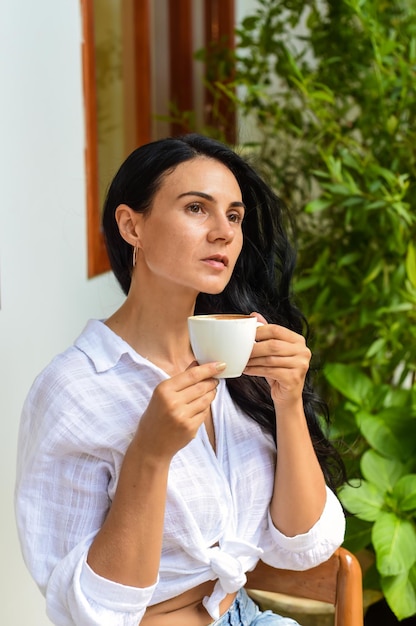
<point>220,366</point>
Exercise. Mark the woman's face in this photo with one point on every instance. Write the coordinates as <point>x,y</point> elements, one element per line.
<point>192,235</point>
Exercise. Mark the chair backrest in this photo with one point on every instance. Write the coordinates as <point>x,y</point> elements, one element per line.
<point>337,581</point>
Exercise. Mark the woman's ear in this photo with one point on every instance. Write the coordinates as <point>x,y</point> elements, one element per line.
<point>128,224</point>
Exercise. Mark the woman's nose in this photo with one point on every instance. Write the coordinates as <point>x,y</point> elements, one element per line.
<point>221,228</point>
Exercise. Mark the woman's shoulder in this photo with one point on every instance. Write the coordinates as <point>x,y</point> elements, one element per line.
<point>62,405</point>
<point>63,383</point>
<point>83,387</point>
<point>94,351</point>
<point>62,369</point>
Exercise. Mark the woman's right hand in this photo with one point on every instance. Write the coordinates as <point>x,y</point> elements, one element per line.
<point>178,407</point>
<point>128,546</point>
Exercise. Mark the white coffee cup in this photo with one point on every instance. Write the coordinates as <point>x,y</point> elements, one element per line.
<point>223,338</point>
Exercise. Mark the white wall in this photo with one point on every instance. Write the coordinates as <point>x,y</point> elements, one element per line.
<point>44,293</point>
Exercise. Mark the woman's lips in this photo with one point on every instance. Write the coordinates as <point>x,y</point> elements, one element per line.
<point>218,261</point>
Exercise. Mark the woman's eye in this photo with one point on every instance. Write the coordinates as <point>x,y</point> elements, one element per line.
<point>195,207</point>
<point>236,218</point>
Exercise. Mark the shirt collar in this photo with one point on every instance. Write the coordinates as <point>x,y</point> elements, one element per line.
<point>104,347</point>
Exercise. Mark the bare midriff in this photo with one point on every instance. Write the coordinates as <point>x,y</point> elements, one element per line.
<point>186,609</point>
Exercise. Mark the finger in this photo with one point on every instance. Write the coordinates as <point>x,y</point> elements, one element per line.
<point>280,355</point>
<point>259,317</point>
<point>278,332</point>
<point>199,406</point>
<point>274,371</point>
<point>279,362</point>
<point>284,378</point>
<point>190,416</point>
<point>195,374</point>
<point>275,347</point>
<point>198,390</point>
<point>178,407</point>
<point>282,369</point>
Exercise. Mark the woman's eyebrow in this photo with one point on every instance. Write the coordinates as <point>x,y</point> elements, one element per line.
<point>208,197</point>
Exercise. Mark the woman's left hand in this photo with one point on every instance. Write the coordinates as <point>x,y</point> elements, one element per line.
<point>282,357</point>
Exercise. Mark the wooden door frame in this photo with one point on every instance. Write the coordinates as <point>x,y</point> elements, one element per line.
<point>219,24</point>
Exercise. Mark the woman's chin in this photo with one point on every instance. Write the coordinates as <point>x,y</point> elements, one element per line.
<point>212,291</point>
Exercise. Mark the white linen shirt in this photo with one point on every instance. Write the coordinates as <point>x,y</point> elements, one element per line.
<point>78,420</point>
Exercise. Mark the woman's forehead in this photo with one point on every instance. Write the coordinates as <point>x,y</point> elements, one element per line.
<point>201,171</point>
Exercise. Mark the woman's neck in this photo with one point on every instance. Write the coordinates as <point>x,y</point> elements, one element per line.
<point>156,328</point>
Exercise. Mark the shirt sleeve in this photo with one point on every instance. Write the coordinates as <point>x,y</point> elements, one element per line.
<point>93,600</point>
<point>308,549</point>
<point>62,499</point>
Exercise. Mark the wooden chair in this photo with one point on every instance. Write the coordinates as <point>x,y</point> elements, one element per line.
<point>337,581</point>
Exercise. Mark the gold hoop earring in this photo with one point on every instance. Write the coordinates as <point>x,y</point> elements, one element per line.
<point>135,256</point>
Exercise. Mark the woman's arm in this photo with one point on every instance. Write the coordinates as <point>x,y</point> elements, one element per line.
<point>65,481</point>
<point>299,489</point>
<point>127,548</point>
<point>299,496</point>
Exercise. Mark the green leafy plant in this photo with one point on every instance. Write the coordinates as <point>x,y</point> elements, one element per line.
<point>384,500</point>
<point>326,97</point>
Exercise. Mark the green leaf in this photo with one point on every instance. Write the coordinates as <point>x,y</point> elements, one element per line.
<point>362,499</point>
<point>411,263</point>
<point>401,307</point>
<point>375,347</point>
<point>400,593</point>
<point>373,273</point>
<point>392,123</point>
<point>306,282</point>
<point>389,432</point>
<point>379,435</point>
<point>350,381</point>
<point>404,492</point>
<point>394,541</point>
<point>383,472</point>
<point>351,257</point>
<point>318,205</point>
<point>337,189</point>
<point>322,95</point>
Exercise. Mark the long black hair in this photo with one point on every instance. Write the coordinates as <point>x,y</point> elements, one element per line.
<point>261,280</point>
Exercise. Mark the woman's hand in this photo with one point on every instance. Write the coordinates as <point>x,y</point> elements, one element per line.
<point>178,407</point>
<point>282,357</point>
<point>128,546</point>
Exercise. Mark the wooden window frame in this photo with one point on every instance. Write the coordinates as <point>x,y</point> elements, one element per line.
<point>219,23</point>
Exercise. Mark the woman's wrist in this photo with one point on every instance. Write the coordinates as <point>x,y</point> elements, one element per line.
<point>290,409</point>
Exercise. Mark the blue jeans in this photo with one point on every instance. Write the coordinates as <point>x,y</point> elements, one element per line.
<point>245,612</point>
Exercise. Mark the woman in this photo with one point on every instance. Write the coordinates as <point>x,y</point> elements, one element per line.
<point>147,488</point>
